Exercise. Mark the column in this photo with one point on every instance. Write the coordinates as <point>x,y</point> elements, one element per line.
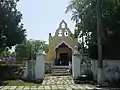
<point>76,63</point>
<point>39,67</point>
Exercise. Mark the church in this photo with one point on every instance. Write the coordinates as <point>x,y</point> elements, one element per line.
<point>61,46</point>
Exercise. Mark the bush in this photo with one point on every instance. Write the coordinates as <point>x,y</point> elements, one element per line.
<point>7,72</point>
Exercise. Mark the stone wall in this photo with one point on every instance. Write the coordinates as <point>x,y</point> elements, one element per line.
<point>35,68</point>
<point>111,69</point>
<point>30,69</point>
<point>84,68</point>
<point>48,66</point>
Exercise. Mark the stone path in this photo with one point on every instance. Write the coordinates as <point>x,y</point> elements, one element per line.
<point>55,87</point>
<point>54,83</point>
<point>49,87</point>
<point>58,80</point>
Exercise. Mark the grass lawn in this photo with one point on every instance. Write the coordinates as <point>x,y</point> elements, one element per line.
<point>19,83</point>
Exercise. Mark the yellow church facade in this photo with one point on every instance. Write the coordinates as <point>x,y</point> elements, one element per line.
<point>61,45</point>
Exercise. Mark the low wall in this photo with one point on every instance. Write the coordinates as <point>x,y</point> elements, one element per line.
<point>84,68</point>
<point>48,66</point>
<point>111,69</point>
<point>30,69</point>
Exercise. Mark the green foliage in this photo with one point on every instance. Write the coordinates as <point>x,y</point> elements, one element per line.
<point>84,11</point>
<point>29,49</point>
<point>11,28</point>
<point>7,53</point>
<point>45,47</point>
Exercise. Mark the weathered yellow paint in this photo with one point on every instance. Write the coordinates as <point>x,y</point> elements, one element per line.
<point>55,41</point>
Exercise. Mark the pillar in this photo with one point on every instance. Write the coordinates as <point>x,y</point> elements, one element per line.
<point>76,63</point>
<point>39,67</point>
<point>26,70</point>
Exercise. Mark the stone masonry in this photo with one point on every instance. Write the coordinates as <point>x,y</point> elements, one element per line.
<point>55,83</point>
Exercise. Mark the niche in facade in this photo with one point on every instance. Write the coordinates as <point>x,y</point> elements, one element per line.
<point>60,33</point>
<point>63,25</point>
<point>66,33</point>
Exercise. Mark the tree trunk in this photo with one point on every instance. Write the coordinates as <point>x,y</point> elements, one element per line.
<point>82,43</point>
<point>99,42</point>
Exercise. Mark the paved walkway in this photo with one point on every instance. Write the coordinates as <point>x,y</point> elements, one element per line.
<point>58,80</point>
<point>54,83</point>
<point>49,87</point>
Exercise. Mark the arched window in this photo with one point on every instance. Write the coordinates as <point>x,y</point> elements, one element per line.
<point>60,33</point>
<point>66,33</point>
<point>63,25</point>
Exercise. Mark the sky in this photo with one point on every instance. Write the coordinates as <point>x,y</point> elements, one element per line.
<point>41,17</point>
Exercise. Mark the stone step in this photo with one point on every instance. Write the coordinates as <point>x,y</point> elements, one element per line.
<point>60,74</point>
<point>60,67</point>
<point>60,70</point>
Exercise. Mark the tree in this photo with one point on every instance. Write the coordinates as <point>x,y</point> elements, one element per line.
<point>99,43</point>
<point>45,47</point>
<point>36,45</point>
<point>5,53</point>
<point>22,52</point>
<point>110,29</point>
<point>11,28</point>
<point>29,49</point>
<point>75,6</point>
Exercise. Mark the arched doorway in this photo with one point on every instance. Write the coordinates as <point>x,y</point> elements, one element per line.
<point>63,55</point>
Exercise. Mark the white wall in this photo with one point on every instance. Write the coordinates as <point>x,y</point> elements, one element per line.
<point>76,66</point>
<point>35,68</point>
<point>29,69</point>
<point>39,67</point>
<point>111,69</point>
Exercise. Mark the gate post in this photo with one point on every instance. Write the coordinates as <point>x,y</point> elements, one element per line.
<point>26,70</point>
<point>76,62</point>
<point>39,67</point>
